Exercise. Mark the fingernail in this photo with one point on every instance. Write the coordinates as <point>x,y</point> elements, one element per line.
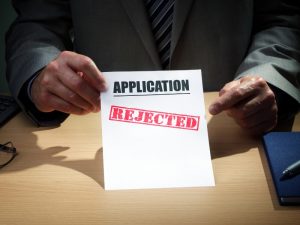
<point>104,86</point>
<point>96,110</point>
<point>221,92</point>
<point>213,109</point>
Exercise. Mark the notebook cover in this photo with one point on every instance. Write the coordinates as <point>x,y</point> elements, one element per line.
<point>283,149</point>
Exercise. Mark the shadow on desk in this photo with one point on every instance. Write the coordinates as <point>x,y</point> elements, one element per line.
<point>227,138</point>
<point>31,155</point>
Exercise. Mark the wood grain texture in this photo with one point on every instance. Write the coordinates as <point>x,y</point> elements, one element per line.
<point>58,179</point>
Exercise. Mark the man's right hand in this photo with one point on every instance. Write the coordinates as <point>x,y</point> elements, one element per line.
<point>71,83</point>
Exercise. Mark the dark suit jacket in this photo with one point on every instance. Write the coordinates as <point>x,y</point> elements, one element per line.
<point>226,39</point>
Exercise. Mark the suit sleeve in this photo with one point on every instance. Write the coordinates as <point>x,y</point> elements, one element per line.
<point>275,50</point>
<point>40,32</point>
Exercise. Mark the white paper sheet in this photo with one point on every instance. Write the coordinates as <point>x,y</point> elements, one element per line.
<point>154,130</point>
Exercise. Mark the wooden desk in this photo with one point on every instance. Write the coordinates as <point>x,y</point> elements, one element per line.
<point>58,179</point>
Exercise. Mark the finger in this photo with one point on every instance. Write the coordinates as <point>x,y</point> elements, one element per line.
<point>267,114</point>
<point>233,96</point>
<point>102,84</point>
<point>81,63</point>
<point>79,86</point>
<point>264,98</point>
<point>70,97</point>
<point>48,102</point>
<point>40,93</point>
<point>229,99</point>
<point>261,128</point>
<point>252,105</point>
<point>229,86</point>
<point>60,104</point>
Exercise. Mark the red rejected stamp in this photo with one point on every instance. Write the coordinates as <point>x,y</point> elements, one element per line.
<point>154,118</point>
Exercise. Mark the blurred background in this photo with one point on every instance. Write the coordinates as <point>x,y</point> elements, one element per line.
<point>7,15</point>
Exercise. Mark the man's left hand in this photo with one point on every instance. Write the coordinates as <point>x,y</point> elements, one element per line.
<point>250,102</point>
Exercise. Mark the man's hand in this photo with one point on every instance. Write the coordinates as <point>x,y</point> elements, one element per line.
<point>71,83</point>
<point>251,103</point>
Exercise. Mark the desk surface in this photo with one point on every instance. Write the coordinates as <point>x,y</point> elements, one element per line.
<point>58,179</point>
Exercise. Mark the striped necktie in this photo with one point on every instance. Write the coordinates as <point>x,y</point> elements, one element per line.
<point>161,19</point>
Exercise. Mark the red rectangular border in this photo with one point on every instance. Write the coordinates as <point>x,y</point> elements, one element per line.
<point>195,128</point>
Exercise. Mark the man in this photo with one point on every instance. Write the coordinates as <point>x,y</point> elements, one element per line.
<point>56,49</point>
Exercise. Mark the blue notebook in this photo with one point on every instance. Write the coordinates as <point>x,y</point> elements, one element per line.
<point>283,149</point>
